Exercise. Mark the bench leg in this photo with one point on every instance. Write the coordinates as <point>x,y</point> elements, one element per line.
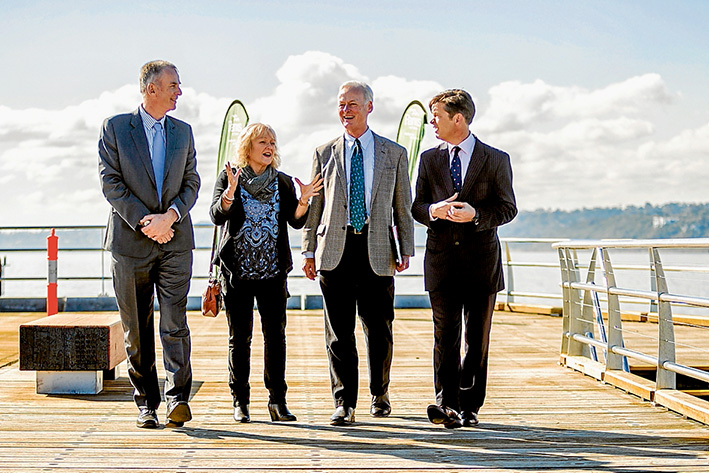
<point>112,375</point>
<point>69,382</point>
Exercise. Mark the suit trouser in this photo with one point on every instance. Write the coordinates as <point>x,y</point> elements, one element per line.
<point>271,296</point>
<point>352,287</point>
<point>461,384</point>
<point>135,280</point>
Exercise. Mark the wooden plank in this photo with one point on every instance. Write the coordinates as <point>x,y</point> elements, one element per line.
<point>683,403</point>
<point>641,387</point>
<point>538,416</point>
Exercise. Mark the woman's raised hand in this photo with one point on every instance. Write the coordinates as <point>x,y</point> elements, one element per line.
<point>309,190</point>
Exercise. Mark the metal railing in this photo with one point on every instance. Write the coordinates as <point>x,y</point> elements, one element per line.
<point>582,305</point>
<point>88,239</point>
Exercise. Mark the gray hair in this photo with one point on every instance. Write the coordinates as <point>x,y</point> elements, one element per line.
<point>150,71</point>
<point>362,87</point>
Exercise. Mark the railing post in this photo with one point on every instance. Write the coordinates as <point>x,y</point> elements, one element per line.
<point>653,285</point>
<point>566,295</point>
<point>572,304</point>
<point>666,331</point>
<point>509,280</point>
<point>3,262</point>
<point>615,327</point>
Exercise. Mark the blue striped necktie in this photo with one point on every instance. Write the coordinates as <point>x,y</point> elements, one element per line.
<point>456,173</point>
<point>158,157</point>
<point>357,206</point>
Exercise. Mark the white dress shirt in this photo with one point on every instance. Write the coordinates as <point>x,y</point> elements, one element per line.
<point>148,124</point>
<point>465,154</point>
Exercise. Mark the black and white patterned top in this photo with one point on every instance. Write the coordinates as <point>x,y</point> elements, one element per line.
<point>255,251</point>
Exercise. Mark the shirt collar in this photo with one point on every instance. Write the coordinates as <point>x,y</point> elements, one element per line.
<point>148,120</point>
<point>466,146</point>
<point>365,140</point>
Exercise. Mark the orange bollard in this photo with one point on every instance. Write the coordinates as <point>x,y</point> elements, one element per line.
<point>52,254</point>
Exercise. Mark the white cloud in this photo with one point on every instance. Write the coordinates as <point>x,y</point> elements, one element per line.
<point>570,147</point>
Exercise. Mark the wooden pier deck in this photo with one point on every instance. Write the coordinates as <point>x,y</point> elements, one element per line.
<point>538,416</point>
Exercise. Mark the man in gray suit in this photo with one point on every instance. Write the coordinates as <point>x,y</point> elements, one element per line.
<point>149,176</point>
<point>348,239</point>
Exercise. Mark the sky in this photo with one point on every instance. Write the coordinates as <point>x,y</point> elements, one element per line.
<point>599,103</point>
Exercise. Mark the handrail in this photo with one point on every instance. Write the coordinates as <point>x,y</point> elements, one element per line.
<point>511,263</point>
<point>581,306</point>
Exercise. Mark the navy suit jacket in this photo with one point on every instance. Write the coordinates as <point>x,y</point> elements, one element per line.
<point>465,252</point>
<point>128,182</point>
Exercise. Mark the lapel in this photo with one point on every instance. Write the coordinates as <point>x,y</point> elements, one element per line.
<point>141,144</point>
<point>170,142</point>
<point>380,159</point>
<point>444,169</point>
<point>477,161</point>
<point>338,154</point>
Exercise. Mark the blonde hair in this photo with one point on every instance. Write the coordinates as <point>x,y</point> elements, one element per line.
<point>244,146</point>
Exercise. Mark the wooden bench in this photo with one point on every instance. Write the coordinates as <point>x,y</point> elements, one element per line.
<point>72,352</point>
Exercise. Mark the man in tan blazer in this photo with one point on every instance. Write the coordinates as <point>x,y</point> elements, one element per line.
<point>348,240</point>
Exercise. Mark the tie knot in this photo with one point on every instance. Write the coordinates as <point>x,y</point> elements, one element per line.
<point>157,126</point>
<point>456,149</point>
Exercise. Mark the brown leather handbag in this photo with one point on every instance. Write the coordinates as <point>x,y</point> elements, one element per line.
<point>212,295</point>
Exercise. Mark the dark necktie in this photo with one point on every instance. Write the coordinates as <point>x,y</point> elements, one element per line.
<point>456,170</point>
<point>357,206</point>
<point>158,157</point>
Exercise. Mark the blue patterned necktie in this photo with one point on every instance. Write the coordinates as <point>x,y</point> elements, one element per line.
<point>158,157</point>
<point>357,206</point>
<point>456,173</point>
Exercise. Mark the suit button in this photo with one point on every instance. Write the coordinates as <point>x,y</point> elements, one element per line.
<point>457,243</point>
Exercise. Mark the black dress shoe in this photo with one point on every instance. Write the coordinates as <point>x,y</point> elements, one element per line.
<point>343,416</point>
<point>147,419</point>
<point>470,418</point>
<point>241,413</point>
<point>280,413</point>
<point>444,415</point>
<point>178,413</point>
<point>381,407</point>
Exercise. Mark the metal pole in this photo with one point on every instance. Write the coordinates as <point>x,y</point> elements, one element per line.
<point>52,253</point>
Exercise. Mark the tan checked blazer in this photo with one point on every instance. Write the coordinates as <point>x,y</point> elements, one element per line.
<point>326,227</point>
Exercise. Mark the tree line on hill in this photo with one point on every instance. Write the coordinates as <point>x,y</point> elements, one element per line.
<point>664,221</point>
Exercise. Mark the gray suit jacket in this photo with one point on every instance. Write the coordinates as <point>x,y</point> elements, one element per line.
<point>128,182</point>
<point>326,227</point>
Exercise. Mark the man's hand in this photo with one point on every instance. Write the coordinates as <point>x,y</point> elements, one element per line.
<point>404,265</point>
<point>158,227</point>
<point>460,212</point>
<point>309,268</point>
<point>440,209</point>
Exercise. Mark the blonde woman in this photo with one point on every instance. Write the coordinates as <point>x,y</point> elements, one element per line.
<point>256,202</point>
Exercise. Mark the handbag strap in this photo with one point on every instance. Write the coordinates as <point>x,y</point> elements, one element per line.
<point>214,244</point>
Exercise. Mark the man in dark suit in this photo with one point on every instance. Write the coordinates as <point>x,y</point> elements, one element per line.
<point>463,193</point>
<point>347,238</point>
<point>149,176</point>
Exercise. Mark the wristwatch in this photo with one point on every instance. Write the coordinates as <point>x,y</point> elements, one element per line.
<point>476,219</point>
